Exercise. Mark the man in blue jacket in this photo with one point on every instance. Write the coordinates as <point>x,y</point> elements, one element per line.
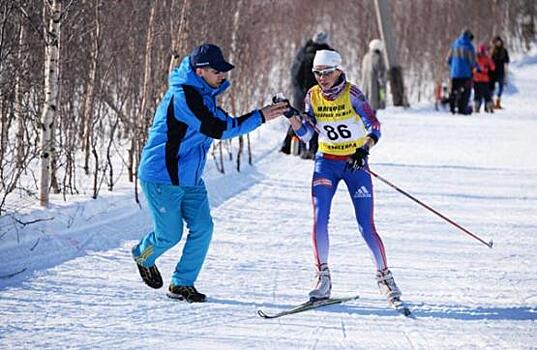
<point>461,58</point>
<point>184,126</point>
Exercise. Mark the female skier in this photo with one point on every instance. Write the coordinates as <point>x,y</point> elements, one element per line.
<point>347,127</point>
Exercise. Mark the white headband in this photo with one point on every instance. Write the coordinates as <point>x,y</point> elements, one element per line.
<point>327,58</point>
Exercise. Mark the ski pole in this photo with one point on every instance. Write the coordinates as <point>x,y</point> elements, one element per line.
<point>488,244</point>
<point>371,172</point>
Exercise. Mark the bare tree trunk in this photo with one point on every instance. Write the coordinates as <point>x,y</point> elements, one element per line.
<point>147,86</point>
<point>528,24</point>
<point>96,170</point>
<point>4,127</point>
<point>19,94</point>
<point>52,50</point>
<point>130,160</point>
<point>221,153</point>
<point>239,152</point>
<point>143,119</point>
<point>249,149</point>
<point>109,155</point>
<point>90,93</point>
<point>131,134</point>
<point>395,72</point>
<point>179,37</point>
<point>4,122</point>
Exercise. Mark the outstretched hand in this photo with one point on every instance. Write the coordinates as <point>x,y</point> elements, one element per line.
<point>273,111</point>
<point>292,110</point>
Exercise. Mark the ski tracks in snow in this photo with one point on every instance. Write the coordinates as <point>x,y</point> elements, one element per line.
<point>261,257</point>
<point>463,295</point>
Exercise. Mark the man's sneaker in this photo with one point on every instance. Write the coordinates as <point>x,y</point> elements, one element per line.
<point>186,293</point>
<point>150,275</point>
<point>387,285</point>
<point>323,285</point>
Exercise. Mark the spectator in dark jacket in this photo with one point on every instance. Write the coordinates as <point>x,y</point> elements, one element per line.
<point>302,80</point>
<point>500,56</point>
<point>461,59</point>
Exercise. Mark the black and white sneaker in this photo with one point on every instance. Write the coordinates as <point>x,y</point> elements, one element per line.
<point>150,275</point>
<point>186,293</point>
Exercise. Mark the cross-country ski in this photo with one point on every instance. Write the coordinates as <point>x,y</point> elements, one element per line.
<point>401,307</point>
<point>308,305</point>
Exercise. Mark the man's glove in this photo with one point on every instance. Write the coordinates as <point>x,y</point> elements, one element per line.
<point>292,110</point>
<point>359,159</point>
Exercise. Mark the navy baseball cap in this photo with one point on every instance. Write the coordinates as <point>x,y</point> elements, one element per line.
<point>209,55</point>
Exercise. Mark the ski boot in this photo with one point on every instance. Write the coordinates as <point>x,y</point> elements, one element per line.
<point>387,286</point>
<point>323,285</point>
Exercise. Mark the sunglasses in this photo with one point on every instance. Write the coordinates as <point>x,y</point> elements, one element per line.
<point>324,72</point>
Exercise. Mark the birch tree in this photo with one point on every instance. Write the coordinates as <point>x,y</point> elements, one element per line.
<point>52,10</point>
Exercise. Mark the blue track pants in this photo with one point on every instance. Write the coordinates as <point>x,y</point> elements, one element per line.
<point>170,206</point>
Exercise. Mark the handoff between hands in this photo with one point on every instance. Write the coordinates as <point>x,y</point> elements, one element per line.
<point>280,106</point>
<point>275,110</point>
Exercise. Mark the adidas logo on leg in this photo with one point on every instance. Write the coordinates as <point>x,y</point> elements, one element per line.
<point>362,192</point>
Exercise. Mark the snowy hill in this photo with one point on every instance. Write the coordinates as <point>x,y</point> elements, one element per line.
<point>68,281</point>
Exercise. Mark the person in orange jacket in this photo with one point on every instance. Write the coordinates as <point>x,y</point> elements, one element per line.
<point>482,79</point>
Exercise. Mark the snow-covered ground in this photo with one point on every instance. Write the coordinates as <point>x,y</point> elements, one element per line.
<point>69,281</point>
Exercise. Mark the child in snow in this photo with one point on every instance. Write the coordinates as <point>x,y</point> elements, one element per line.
<point>347,129</point>
<point>482,79</point>
<point>441,95</point>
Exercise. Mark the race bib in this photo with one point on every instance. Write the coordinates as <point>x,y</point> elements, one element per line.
<point>341,128</point>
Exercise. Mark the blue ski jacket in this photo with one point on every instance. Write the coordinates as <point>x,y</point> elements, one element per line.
<point>461,57</point>
<point>185,123</point>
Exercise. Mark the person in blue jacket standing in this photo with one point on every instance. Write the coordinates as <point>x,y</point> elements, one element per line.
<point>172,163</point>
<point>461,59</point>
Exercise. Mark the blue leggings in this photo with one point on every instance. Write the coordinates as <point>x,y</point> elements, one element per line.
<point>169,206</point>
<point>492,85</point>
<point>326,177</point>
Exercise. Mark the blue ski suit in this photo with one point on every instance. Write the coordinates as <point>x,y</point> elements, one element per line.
<point>172,163</point>
<point>343,120</point>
